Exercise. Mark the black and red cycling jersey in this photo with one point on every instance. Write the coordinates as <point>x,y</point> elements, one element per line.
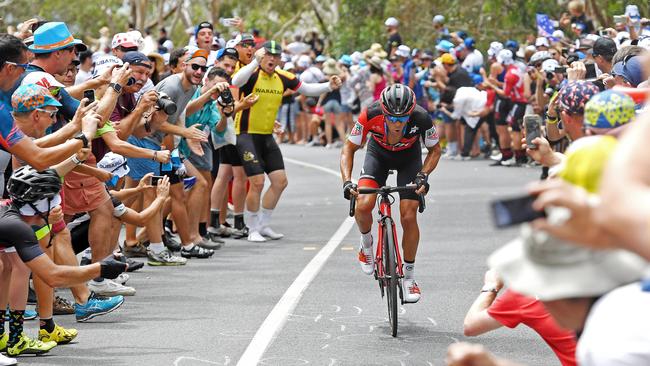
<point>371,120</point>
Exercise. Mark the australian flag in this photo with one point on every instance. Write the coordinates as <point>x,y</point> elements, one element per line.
<point>545,26</point>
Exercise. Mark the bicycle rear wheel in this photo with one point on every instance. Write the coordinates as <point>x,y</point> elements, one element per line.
<point>390,274</point>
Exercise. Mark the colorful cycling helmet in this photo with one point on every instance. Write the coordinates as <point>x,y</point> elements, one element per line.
<point>585,161</point>
<point>609,109</point>
<point>574,95</point>
<point>397,100</point>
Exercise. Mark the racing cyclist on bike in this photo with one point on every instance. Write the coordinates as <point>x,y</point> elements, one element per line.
<point>396,125</point>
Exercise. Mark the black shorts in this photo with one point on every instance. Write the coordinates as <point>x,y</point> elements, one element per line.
<point>516,116</point>
<point>259,154</point>
<point>216,158</point>
<point>230,156</point>
<point>502,107</point>
<point>173,177</point>
<point>407,163</point>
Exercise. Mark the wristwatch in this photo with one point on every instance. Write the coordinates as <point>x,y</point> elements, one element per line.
<point>82,137</point>
<point>117,87</point>
<point>489,289</point>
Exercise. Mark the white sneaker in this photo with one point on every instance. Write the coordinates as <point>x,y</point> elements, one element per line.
<point>110,288</point>
<point>496,157</point>
<point>411,290</point>
<point>366,258</point>
<point>6,361</point>
<point>269,233</point>
<point>256,237</point>
<point>509,162</point>
<point>122,278</point>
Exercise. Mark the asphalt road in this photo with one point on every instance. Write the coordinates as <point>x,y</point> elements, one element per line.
<point>207,312</point>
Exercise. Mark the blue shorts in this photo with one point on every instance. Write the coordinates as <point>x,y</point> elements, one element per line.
<point>287,115</point>
<point>444,117</point>
<point>139,167</point>
<point>332,106</point>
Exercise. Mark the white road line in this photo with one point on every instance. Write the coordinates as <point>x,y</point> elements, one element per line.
<point>359,310</point>
<point>278,316</point>
<point>433,322</point>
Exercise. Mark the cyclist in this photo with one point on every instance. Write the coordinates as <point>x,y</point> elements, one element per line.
<point>396,125</point>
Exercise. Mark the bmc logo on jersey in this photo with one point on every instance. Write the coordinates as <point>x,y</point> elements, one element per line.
<point>356,131</point>
<point>414,129</point>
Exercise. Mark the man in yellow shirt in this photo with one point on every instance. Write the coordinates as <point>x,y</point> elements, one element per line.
<point>254,126</point>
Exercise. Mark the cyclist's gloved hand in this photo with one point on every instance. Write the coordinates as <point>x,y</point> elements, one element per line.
<point>111,268</point>
<point>421,180</point>
<point>348,186</point>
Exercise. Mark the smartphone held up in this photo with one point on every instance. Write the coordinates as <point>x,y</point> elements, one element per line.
<point>513,211</point>
<point>533,125</point>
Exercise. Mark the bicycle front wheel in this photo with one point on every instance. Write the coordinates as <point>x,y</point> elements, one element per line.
<point>390,274</point>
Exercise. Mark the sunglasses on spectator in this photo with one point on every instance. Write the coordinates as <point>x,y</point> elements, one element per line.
<point>396,119</point>
<point>51,113</point>
<point>24,66</point>
<point>247,44</point>
<point>196,67</point>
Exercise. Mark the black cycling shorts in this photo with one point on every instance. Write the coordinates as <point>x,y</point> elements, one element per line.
<point>259,154</point>
<point>14,232</point>
<point>502,107</point>
<point>516,116</point>
<point>230,156</point>
<point>407,163</point>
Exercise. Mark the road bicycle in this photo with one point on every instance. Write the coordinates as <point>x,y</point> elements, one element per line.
<point>388,261</point>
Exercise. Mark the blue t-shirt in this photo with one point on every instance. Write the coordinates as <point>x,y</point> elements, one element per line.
<point>208,117</point>
<point>409,67</point>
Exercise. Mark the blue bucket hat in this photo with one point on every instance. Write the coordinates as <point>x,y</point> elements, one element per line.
<point>346,60</point>
<point>54,36</point>
<point>444,46</point>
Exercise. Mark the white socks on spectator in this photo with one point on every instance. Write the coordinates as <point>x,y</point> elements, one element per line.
<point>452,147</point>
<point>156,247</point>
<point>253,219</point>
<point>265,218</point>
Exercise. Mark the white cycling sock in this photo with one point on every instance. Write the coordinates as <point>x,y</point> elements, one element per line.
<point>157,247</point>
<point>367,239</point>
<point>189,246</point>
<point>453,148</point>
<point>252,218</point>
<point>409,270</point>
<point>265,217</point>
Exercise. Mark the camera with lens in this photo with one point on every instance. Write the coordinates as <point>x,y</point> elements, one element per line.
<point>166,104</point>
<point>225,98</point>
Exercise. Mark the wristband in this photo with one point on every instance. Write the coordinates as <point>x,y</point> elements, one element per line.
<point>489,289</point>
<point>58,227</point>
<point>551,121</point>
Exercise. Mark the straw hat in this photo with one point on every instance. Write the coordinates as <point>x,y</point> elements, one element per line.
<point>330,68</point>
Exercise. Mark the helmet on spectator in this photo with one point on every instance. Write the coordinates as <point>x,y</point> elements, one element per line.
<point>397,100</point>
<point>27,185</point>
<point>609,109</point>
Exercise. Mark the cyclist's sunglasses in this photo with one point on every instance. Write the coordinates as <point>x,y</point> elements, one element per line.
<point>196,67</point>
<point>396,119</point>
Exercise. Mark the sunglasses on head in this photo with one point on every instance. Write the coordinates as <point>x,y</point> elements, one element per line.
<point>196,67</point>
<point>24,66</point>
<point>396,119</point>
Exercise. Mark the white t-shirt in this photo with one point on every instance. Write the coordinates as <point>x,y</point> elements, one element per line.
<point>82,77</point>
<point>473,62</point>
<point>298,48</point>
<point>469,99</point>
<point>617,330</point>
<point>312,75</point>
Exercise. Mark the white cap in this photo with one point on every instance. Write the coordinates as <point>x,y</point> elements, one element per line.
<point>123,39</point>
<point>645,43</point>
<point>558,33</point>
<point>540,56</point>
<point>356,57</point>
<point>136,36</point>
<point>622,36</point>
<point>391,22</point>
<point>438,19</point>
<point>304,61</point>
<point>542,42</point>
<point>114,164</point>
<point>632,11</point>
<point>41,78</point>
<point>104,63</point>
<point>289,66</point>
<point>505,57</point>
<point>550,65</point>
<point>494,49</point>
<point>403,51</point>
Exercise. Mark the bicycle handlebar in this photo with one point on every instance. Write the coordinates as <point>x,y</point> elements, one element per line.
<point>386,190</point>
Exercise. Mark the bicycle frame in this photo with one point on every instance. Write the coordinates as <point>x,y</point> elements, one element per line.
<point>385,218</point>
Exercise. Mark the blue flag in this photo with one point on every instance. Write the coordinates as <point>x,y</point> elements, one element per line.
<point>545,26</point>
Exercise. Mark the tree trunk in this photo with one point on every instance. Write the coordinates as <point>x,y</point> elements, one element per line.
<point>215,9</point>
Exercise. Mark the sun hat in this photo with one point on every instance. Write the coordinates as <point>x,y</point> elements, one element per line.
<point>330,68</point>
<point>53,36</point>
<point>31,97</point>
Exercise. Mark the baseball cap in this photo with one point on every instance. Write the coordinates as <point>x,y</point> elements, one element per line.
<point>304,61</point>
<point>448,59</point>
<point>136,58</point>
<point>53,36</point>
<point>629,69</point>
<point>558,33</point>
<point>539,56</point>
<point>391,22</point>
<point>124,40</point>
<point>320,58</point>
<point>609,109</point>
<point>550,65</point>
<point>31,97</point>
<point>114,164</point>
<point>103,63</point>
<point>505,57</point>
<point>194,52</point>
<point>403,51</point>
<point>444,46</point>
<point>346,60</point>
<point>574,95</point>
<point>43,79</point>
<point>228,51</point>
<point>438,19</point>
<point>494,49</point>
<point>469,42</point>
<point>604,46</point>
<point>289,66</point>
<point>272,47</point>
<point>203,25</point>
<point>242,38</point>
<point>542,42</point>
